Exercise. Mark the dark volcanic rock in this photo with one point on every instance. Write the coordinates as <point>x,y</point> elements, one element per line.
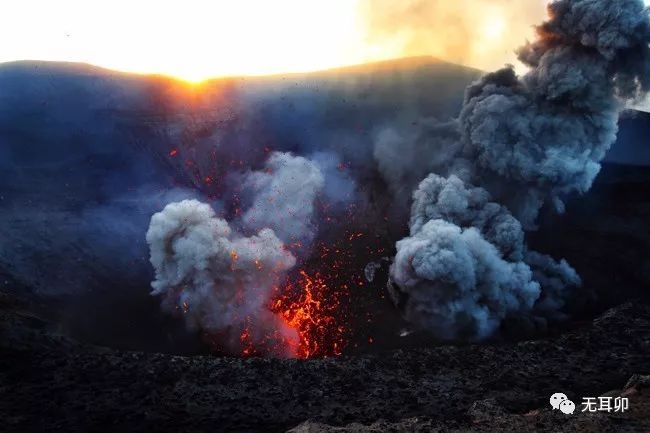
<point>50,383</point>
<point>492,419</point>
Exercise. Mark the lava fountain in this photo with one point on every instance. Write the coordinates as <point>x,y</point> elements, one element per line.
<point>311,308</point>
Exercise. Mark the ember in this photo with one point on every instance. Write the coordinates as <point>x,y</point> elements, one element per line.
<point>308,307</point>
<point>312,309</point>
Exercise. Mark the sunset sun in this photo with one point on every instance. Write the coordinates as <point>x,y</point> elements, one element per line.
<point>192,41</point>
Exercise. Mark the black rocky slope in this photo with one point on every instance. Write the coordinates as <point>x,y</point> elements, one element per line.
<point>50,383</point>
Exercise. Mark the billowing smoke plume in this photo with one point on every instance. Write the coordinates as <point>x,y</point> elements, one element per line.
<point>222,280</point>
<point>465,266</point>
<point>544,135</point>
<point>219,279</point>
<point>284,196</point>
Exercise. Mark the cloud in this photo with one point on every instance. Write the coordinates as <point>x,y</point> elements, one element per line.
<point>469,32</point>
<point>284,193</point>
<point>221,281</point>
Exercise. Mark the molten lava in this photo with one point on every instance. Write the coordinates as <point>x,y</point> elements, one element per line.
<point>308,307</point>
<point>311,308</point>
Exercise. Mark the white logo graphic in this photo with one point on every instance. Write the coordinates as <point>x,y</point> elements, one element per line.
<point>557,399</point>
<point>561,402</point>
<point>567,407</point>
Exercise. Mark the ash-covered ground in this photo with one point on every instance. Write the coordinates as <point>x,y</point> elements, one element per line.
<point>51,382</point>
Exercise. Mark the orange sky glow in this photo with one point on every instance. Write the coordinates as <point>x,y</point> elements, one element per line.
<point>199,39</point>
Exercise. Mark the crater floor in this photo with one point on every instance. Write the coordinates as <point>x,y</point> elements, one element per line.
<point>51,383</point>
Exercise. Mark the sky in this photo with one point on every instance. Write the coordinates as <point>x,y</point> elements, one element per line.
<point>198,39</point>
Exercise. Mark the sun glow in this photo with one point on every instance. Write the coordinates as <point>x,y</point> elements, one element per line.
<point>193,39</point>
<point>198,39</point>
<point>494,28</point>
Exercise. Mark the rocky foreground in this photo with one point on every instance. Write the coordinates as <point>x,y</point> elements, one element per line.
<point>487,416</point>
<point>51,383</point>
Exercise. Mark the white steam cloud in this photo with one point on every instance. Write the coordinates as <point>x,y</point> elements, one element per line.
<point>284,195</point>
<point>224,281</point>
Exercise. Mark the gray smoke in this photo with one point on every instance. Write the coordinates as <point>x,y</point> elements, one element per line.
<point>465,266</point>
<point>284,194</point>
<point>527,141</point>
<point>220,279</point>
<point>544,135</point>
<point>404,157</point>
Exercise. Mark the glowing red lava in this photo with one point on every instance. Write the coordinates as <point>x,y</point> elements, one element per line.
<point>311,308</point>
<point>308,307</point>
